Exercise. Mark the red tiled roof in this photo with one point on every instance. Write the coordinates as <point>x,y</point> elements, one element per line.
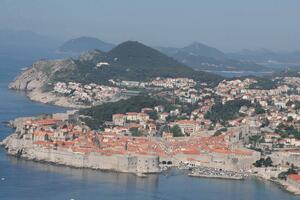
<point>294,177</point>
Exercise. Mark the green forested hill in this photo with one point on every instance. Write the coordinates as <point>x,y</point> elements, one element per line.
<point>99,114</point>
<point>127,61</point>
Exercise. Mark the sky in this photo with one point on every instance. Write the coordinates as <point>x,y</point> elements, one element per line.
<point>230,25</point>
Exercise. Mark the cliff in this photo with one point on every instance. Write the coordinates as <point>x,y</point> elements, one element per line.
<point>40,73</point>
<point>36,81</point>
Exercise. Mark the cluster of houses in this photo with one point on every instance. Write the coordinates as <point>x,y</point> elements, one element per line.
<point>90,94</point>
<point>65,133</point>
<point>167,83</point>
<point>274,129</point>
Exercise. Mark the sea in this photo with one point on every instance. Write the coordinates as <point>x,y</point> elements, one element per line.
<point>27,180</point>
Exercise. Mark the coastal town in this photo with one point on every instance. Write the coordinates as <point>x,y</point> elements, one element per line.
<point>89,94</point>
<point>237,126</point>
<point>151,100</point>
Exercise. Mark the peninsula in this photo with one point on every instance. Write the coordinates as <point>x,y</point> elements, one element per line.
<point>139,111</point>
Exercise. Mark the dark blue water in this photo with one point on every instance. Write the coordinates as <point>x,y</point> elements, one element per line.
<point>35,181</point>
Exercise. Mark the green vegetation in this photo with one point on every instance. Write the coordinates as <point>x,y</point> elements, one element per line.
<point>129,61</point>
<point>228,111</point>
<point>264,162</point>
<point>99,114</point>
<point>263,84</point>
<point>153,115</point>
<point>297,105</point>
<point>259,110</point>
<point>220,131</point>
<point>136,132</point>
<point>290,119</point>
<point>291,170</point>
<point>176,131</point>
<point>288,72</point>
<point>255,139</point>
<point>200,56</point>
<point>286,131</point>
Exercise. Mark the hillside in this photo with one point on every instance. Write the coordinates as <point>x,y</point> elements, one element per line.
<point>83,44</point>
<point>288,72</point>
<point>199,49</point>
<point>267,56</point>
<point>128,61</point>
<point>203,57</point>
<point>101,113</point>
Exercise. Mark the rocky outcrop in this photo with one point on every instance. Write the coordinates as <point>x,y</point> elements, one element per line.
<point>39,74</point>
<point>34,81</point>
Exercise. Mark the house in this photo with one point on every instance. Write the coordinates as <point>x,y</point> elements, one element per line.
<point>159,108</point>
<point>294,180</point>
<point>119,119</point>
<point>272,137</point>
<point>132,116</point>
<point>167,135</point>
<point>188,127</point>
<point>163,116</point>
<point>142,117</point>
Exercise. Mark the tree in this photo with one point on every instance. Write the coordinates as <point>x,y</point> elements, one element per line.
<point>259,163</point>
<point>297,105</point>
<point>265,122</point>
<point>263,162</point>
<point>135,132</point>
<point>176,131</point>
<point>153,115</point>
<point>259,110</point>
<point>289,103</point>
<point>268,162</point>
<point>220,131</point>
<point>227,111</point>
<point>292,170</point>
<point>290,119</point>
<point>255,139</point>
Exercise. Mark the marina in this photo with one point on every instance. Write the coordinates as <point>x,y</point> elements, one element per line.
<point>206,172</point>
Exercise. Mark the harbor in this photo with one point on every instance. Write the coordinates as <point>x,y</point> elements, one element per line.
<point>208,172</point>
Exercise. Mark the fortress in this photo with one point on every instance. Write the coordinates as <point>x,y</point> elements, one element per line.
<point>129,163</point>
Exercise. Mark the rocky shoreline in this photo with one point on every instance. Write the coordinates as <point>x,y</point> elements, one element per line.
<point>280,183</point>
<point>49,98</point>
<point>32,80</point>
<point>37,95</point>
<point>28,151</point>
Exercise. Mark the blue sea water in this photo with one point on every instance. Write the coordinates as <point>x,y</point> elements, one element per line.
<point>39,181</point>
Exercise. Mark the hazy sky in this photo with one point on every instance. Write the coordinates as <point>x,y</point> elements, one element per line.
<point>226,24</point>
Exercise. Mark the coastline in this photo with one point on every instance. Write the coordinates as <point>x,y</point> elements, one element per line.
<point>118,163</point>
<point>51,99</point>
<point>37,95</point>
<point>142,174</point>
<point>284,185</point>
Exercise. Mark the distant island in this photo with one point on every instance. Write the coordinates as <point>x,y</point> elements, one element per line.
<point>203,57</point>
<point>82,44</point>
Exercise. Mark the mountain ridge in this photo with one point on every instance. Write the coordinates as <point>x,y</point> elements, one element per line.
<point>130,60</point>
<point>83,44</point>
<point>203,57</point>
